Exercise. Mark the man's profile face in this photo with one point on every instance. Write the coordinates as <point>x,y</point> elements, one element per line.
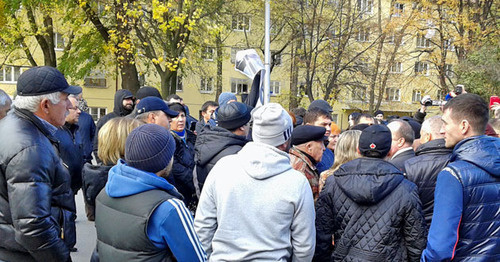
<point>450,129</point>
<point>208,113</point>
<point>317,148</point>
<point>162,120</point>
<point>57,112</point>
<point>379,117</point>
<point>325,122</point>
<point>74,111</point>
<point>128,103</point>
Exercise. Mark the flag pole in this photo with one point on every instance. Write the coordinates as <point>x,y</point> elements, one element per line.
<point>267,54</point>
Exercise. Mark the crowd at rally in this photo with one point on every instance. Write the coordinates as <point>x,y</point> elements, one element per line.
<point>245,182</point>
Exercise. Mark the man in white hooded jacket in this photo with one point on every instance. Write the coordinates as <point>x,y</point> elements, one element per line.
<point>254,205</point>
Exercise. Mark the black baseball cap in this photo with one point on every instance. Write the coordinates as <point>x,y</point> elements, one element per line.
<point>375,141</point>
<point>153,103</point>
<point>43,80</point>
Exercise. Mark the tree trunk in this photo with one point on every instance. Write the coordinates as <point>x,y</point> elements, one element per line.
<point>219,51</point>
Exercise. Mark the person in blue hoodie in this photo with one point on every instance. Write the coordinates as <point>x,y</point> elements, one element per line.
<point>139,215</point>
<point>465,224</point>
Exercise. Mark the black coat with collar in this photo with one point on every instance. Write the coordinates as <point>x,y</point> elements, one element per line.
<point>36,201</point>
<point>423,170</point>
<point>400,159</point>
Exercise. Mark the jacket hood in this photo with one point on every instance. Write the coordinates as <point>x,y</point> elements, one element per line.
<point>368,180</point>
<point>433,146</point>
<point>212,140</point>
<point>119,96</point>
<point>482,151</point>
<point>261,161</point>
<point>125,181</point>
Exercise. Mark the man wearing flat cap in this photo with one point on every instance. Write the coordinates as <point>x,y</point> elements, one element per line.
<point>307,150</point>
<point>216,142</point>
<point>36,202</point>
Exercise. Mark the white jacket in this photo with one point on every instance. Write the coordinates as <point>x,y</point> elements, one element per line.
<point>255,207</point>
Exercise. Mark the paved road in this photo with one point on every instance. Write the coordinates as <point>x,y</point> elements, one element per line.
<point>85,233</point>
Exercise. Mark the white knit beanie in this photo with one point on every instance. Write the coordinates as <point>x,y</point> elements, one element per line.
<point>272,125</point>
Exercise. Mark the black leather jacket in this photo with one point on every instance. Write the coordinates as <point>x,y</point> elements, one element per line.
<point>36,201</point>
<point>423,170</point>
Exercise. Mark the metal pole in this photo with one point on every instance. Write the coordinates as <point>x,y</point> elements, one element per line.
<point>267,54</point>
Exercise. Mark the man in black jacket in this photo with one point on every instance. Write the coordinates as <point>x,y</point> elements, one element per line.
<point>216,142</point>
<point>370,209</point>
<point>124,105</point>
<point>36,201</point>
<point>431,157</point>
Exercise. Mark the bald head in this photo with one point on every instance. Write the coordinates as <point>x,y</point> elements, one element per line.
<point>431,129</point>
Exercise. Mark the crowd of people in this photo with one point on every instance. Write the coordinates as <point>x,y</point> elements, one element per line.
<point>244,182</point>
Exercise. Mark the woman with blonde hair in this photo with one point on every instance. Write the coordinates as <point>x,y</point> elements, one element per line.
<point>111,148</point>
<point>345,151</point>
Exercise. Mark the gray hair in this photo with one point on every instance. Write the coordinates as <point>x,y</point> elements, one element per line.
<point>31,103</point>
<point>432,125</point>
<point>4,99</point>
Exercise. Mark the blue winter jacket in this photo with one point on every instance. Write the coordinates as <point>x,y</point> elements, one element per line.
<point>466,221</point>
<point>170,225</point>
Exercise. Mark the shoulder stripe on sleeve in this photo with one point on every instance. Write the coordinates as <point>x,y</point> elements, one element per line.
<point>452,172</point>
<point>187,222</point>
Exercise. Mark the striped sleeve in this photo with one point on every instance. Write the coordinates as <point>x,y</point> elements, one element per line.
<point>174,224</point>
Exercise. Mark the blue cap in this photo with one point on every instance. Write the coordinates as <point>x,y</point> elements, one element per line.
<point>43,80</point>
<point>152,103</point>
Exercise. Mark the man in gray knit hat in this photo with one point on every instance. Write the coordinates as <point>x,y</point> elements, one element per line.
<point>254,206</point>
<point>154,224</point>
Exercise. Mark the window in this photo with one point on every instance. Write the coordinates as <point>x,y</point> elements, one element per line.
<point>301,89</point>
<point>421,68</point>
<point>448,70</point>
<point>97,112</point>
<point>335,117</point>
<point>398,9</point>
<point>208,53</point>
<point>10,74</point>
<point>448,45</point>
<point>423,42</point>
<point>363,35</point>
<point>240,23</point>
<point>58,42</point>
<point>239,86</point>
<point>365,6</point>
<point>276,58</point>
<point>275,88</point>
<point>358,93</point>
<point>397,68</point>
<point>416,96</point>
<point>206,84</point>
<point>96,79</point>
<point>235,50</point>
<point>179,87</point>
<point>392,94</point>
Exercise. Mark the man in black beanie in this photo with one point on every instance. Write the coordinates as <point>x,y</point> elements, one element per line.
<point>372,211</point>
<point>154,224</point>
<point>216,142</point>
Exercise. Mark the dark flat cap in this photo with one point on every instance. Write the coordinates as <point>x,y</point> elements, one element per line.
<point>321,104</point>
<point>305,133</point>
<point>233,115</point>
<point>43,80</point>
<point>146,91</point>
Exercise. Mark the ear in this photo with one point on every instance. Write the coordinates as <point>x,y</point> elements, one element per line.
<point>151,118</point>
<point>357,149</point>
<point>45,105</point>
<point>464,127</point>
<point>401,142</point>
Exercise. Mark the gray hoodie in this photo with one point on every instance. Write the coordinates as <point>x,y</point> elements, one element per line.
<point>255,207</point>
